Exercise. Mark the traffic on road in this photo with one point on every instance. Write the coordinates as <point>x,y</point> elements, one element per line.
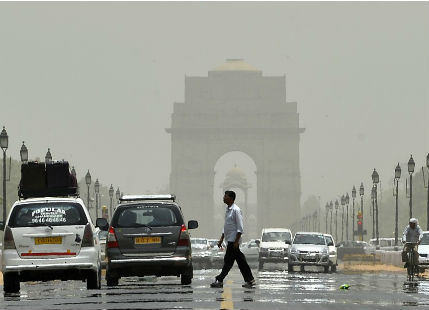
<point>55,257</point>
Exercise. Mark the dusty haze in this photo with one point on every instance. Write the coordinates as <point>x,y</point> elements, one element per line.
<point>96,82</point>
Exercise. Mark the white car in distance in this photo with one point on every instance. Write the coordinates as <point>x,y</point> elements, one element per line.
<point>423,250</point>
<point>332,252</point>
<point>274,245</point>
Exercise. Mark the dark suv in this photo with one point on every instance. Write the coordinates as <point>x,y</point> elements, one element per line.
<point>148,236</point>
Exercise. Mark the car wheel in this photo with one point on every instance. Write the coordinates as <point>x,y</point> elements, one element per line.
<point>185,279</point>
<point>11,283</point>
<point>93,281</point>
<point>334,268</point>
<point>111,280</point>
<point>326,269</point>
<point>289,268</point>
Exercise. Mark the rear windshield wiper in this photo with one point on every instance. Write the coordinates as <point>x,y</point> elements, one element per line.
<point>46,224</point>
<point>144,225</point>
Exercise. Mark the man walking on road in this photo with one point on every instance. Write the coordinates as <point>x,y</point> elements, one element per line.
<point>232,230</point>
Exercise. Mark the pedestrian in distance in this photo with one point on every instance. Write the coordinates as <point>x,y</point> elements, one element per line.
<point>232,231</point>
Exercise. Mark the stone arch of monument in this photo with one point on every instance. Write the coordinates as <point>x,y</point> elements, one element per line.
<point>236,108</point>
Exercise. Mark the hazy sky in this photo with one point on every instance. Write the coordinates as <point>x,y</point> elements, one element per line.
<point>96,81</point>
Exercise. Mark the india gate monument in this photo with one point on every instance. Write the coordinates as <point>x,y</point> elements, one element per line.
<point>236,108</point>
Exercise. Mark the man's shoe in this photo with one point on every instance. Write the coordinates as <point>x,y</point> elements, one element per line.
<point>250,284</point>
<point>217,283</point>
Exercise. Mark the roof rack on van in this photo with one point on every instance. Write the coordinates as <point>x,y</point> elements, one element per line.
<point>147,197</point>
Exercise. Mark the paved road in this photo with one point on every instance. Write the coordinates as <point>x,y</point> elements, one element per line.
<point>276,289</point>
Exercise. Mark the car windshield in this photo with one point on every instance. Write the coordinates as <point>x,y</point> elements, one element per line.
<point>276,236</point>
<point>425,239</point>
<point>148,216</point>
<point>52,214</point>
<point>309,239</point>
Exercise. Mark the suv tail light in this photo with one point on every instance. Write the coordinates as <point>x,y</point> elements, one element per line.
<point>183,238</point>
<point>88,237</point>
<point>9,243</point>
<point>111,238</point>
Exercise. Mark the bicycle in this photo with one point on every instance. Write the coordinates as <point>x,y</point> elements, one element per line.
<point>412,266</point>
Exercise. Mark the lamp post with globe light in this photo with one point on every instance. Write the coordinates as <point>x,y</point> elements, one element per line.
<point>4,143</point>
<point>411,165</point>
<point>111,191</point>
<point>97,191</point>
<point>375,181</point>
<point>396,182</point>
<point>88,183</point>
<point>361,193</point>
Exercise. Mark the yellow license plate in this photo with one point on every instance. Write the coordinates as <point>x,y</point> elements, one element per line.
<point>147,240</point>
<point>48,240</point>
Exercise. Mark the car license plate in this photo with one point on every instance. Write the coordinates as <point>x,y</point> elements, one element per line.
<point>48,240</point>
<point>147,240</point>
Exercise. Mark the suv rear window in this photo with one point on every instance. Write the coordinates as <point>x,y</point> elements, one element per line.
<point>147,215</point>
<point>52,213</point>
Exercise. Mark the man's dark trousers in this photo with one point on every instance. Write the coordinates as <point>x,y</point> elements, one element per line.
<point>232,255</point>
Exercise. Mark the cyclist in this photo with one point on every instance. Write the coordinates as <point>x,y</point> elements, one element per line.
<point>412,233</point>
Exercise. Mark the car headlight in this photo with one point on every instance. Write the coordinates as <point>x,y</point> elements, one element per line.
<point>332,253</point>
<point>263,250</point>
<point>294,251</point>
<point>325,251</point>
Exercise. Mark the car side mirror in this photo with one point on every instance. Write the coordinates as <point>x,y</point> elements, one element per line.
<point>192,224</point>
<point>1,225</point>
<point>330,244</point>
<point>258,242</point>
<point>287,241</point>
<point>102,224</point>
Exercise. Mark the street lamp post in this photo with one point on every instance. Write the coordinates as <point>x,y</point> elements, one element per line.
<point>347,217</point>
<point>373,211</point>
<point>23,153</point>
<point>336,219</point>
<point>411,165</point>
<point>327,212</point>
<point>97,191</point>
<point>427,209</point>
<point>118,194</point>
<point>343,203</point>
<point>88,183</point>
<point>361,192</point>
<point>4,142</point>
<point>375,180</point>
<point>331,208</point>
<point>396,181</point>
<point>353,213</point>
<point>111,191</point>
<point>48,156</point>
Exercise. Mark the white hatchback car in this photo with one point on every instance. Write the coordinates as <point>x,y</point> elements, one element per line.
<point>423,250</point>
<point>332,252</point>
<point>50,238</point>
